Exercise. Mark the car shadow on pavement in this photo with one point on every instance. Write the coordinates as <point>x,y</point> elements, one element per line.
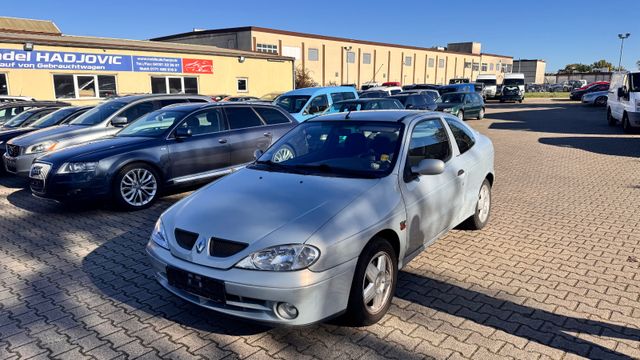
<point>13,182</point>
<point>616,146</point>
<point>552,118</point>
<point>540,326</point>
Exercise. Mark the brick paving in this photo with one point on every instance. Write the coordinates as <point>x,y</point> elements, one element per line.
<point>556,274</point>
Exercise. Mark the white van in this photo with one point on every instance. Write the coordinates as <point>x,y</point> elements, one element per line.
<point>490,82</point>
<point>623,101</point>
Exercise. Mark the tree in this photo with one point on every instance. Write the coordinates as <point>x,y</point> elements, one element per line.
<point>304,79</point>
<point>602,64</point>
<point>576,68</point>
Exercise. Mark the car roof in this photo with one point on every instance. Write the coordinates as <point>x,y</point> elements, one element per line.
<point>314,90</point>
<point>32,103</point>
<point>132,98</point>
<point>361,100</point>
<point>404,116</point>
<point>188,107</point>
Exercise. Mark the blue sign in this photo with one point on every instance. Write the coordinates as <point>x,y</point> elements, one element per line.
<point>157,64</point>
<point>55,60</point>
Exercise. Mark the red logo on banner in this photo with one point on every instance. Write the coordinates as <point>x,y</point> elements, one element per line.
<point>197,66</point>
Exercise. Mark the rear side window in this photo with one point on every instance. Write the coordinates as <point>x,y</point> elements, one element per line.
<point>207,122</point>
<point>464,138</point>
<point>138,110</point>
<point>242,117</point>
<point>335,97</point>
<point>272,116</point>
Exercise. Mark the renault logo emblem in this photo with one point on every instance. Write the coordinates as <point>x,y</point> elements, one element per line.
<point>200,246</point>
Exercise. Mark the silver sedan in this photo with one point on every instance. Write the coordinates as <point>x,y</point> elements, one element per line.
<point>597,98</point>
<point>321,223</point>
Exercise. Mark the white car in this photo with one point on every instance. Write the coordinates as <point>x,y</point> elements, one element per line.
<point>321,223</point>
<point>390,90</point>
<point>623,101</point>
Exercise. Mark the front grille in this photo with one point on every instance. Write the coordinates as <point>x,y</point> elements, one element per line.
<point>13,150</point>
<point>185,239</point>
<point>225,248</point>
<point>38,176</point>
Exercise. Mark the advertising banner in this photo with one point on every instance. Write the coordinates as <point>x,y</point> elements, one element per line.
<point>56,60</point>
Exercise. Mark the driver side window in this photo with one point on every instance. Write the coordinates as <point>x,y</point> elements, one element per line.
<point>429,140</point>
<point>206,122</point>
<point>318,104</point>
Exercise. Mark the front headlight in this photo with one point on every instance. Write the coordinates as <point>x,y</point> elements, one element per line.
<point>41,147</point>
<point>77,167</point>
<point>159,236</point>
<point>281,258</point>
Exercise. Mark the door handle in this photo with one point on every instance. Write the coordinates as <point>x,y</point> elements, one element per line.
<point>267,134</point>
<point>222,141</point>
<point>460,172</point>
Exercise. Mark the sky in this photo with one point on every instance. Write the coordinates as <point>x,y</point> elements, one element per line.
<point>559,32</point>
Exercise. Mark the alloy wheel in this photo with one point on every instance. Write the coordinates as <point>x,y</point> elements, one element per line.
<point>484,203</point>
<point>377,284</point>
<point>138,187</point>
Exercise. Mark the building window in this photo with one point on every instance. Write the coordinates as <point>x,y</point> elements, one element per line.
<point>467,65</point>
<point>491,67</point>
<point>84,86</point>
<point>366,58</point>
<point>267,48</point>
<point>313,54</point>
<point>432,62</point>
<point>475,67</point>
<point>441,63</point>
<point>4,89</point>
<point>484,67</point>
<point>407,60</point>
<point>351,57</point>
<point>174,85</point>
<point>243,84</point>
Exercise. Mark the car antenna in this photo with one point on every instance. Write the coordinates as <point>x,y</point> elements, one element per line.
<point>348,115</point>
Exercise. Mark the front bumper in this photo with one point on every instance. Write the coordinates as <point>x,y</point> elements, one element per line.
<point>19,165</point>
<point>250,295</point>
<point>80,186</point>
<point>511,97</point>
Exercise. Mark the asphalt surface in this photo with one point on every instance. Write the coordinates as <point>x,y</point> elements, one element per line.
<point>555,275</point>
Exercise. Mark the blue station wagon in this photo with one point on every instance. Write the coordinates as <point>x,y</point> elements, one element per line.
<point>306,103</point>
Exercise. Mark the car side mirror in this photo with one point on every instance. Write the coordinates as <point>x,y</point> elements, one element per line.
<point>119,121</point>
<point>257,153</point>
<point>182,133</point>
<point>428,167</point>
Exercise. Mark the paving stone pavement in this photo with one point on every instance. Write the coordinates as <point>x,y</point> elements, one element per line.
<point>556,274</point>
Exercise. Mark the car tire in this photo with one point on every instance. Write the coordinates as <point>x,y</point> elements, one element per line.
<point>481,114</point>
<point>461,115</point>
<point>610,119</point>
<point>358,312</point>
<point>482,213</point>
<point>626,126</point>
<point>136,187</point>
<point>600,101</point>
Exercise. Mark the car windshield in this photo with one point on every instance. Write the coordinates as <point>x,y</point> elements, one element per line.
<point>99,113</point>
<point>450,98</point>
<point>19,119</point>
<point>153,124</point>
<point>373,94</point>
<point>293,103</point>
<point>361,149</point>
<point>508,82</point>
<point>487,82</point>
<point>53,118</point>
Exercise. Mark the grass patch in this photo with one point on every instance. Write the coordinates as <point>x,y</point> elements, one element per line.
<point>547,95</point>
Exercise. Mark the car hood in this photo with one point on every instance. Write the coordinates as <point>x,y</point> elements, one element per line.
<point>55,133</point>
<point>261,209</point>
<point>94,150</point>
<point>11,133</point>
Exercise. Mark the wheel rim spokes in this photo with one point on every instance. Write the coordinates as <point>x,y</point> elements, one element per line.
<point>377,285</point>
<point>484,203</point>
<point>138,187</point>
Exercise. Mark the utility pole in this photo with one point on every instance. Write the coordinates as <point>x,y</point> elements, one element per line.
<point>622,37</point>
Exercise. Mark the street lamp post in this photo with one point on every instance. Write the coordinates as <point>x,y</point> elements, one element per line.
<point>347,49</point>
<point>622,37</point>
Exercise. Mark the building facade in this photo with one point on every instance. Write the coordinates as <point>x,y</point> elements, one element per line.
<point>334,61</point>
<point>533,70</point>
<point>38,61</point>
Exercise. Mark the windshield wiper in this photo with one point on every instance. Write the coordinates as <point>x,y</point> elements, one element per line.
<point>277,166</point>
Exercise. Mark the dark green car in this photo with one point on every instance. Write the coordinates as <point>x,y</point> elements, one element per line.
<point>464,105</point>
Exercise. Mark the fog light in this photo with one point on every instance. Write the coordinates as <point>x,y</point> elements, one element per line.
<point>287,311</point>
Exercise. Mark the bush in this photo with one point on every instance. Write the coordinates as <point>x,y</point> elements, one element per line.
<point>304,79</point>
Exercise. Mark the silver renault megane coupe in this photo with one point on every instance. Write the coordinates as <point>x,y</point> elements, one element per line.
<point>320,223</point>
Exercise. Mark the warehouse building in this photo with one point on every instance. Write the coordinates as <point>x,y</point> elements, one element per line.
<point>333,60</point>
<point>37,60</point>
<point>533,70</point>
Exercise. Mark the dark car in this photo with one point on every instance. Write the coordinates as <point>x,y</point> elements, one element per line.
<point>463,105</point>
<point>578,93</point>
<point>8,110</point>
<point>421,87</point>
<point>511,93</point>
<point>461,87</point>
<point>365,104</point>
<point>416,101</point>
<point>27,117</point>
<point>373,94</point>
<point>171,147</point>
<point>239,98</point>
